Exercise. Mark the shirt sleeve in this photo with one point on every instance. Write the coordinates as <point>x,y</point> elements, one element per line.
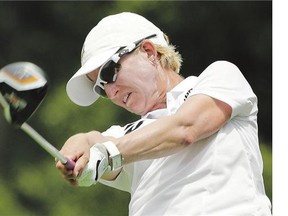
<point>223,80</point>
<point>114,131</point>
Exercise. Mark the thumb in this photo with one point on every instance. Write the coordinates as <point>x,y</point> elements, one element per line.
<point>79,165</point>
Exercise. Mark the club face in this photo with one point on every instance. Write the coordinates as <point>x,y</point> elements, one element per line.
<point>23,86</point>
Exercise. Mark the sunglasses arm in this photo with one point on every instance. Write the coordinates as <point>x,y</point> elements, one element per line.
<point>115,58</point>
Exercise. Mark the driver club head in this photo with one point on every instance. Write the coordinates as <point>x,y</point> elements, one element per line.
<point>23,86</point>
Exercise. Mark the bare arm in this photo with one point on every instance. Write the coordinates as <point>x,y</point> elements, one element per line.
<point>199,117</point>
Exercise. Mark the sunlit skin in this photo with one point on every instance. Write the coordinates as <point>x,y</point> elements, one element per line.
<point>148,84</point>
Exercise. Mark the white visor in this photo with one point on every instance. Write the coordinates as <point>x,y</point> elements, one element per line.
<point>79,88</point>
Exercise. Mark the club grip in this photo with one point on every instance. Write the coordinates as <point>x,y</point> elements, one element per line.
<point>70,164</point>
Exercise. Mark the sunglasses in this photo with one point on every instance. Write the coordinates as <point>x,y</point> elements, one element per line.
<point>109,70</point>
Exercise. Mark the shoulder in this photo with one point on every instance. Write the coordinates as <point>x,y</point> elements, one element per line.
<point>222,73</point>
<point>221,67</point>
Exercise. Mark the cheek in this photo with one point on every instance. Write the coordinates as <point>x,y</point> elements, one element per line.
<point>139,77</point>
<point>136,73</point>
<point>138,66</point>
<point>145,76</point>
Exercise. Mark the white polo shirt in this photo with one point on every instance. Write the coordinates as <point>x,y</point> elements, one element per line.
<point>218,176</point>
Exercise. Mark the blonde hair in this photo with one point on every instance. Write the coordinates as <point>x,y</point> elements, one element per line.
<point>169,58</point>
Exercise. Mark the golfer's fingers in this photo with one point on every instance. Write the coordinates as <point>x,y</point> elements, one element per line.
<point>80,164</point>
<point>67,174</point>
<point>73,182</point>
<point>71,176</point>
<point>62,168</point>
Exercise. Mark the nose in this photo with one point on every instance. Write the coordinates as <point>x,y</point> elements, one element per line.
<point>111,90</point>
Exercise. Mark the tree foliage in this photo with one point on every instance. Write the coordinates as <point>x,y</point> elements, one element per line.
<point>51,35</point>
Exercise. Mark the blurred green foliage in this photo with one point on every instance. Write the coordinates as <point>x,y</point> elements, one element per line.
<point>267,172</point>
<point>51,34</point>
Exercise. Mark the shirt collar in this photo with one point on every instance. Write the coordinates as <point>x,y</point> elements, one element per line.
<point>171,96</point>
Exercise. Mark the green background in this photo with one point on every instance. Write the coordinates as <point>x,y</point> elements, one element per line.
<point>51,35</point>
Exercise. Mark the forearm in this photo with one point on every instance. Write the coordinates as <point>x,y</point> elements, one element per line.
<point>82,142</point>
<point>198,118</point>
<point>158,139</point>
<point>94,137</point>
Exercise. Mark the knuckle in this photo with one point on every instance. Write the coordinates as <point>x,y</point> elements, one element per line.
<point>59,166</point>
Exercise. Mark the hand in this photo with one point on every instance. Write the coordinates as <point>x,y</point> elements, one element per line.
<point>76,148</point>
<point>96,167</point>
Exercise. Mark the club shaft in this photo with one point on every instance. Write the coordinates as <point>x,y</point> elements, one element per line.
<point>43,143</point>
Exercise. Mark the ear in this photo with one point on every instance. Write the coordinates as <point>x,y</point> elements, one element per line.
<point>150,49</point>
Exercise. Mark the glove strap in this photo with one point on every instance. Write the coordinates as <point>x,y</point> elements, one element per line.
<point>115,157</point>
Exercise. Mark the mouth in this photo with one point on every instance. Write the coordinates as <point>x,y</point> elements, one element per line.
<point>125,99</point>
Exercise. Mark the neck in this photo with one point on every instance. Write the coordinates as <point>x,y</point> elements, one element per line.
<point>173,79</point>
<point>168,80</point>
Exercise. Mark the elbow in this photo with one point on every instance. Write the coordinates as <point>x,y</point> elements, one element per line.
<point>188,137</point>
<point>186,132</point>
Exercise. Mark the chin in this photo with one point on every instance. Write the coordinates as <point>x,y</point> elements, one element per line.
<point>137,111</point>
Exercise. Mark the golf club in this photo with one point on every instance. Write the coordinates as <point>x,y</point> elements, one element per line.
<point>23,86</point>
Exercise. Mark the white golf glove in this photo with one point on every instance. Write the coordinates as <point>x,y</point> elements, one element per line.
<point>98,164</point>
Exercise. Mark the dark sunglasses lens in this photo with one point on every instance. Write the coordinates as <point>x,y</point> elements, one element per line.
<point>100,91</point>
<point>108,71</point>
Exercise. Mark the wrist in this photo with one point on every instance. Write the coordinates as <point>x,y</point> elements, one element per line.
<point>93,136</point>
<point>115,158</point>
